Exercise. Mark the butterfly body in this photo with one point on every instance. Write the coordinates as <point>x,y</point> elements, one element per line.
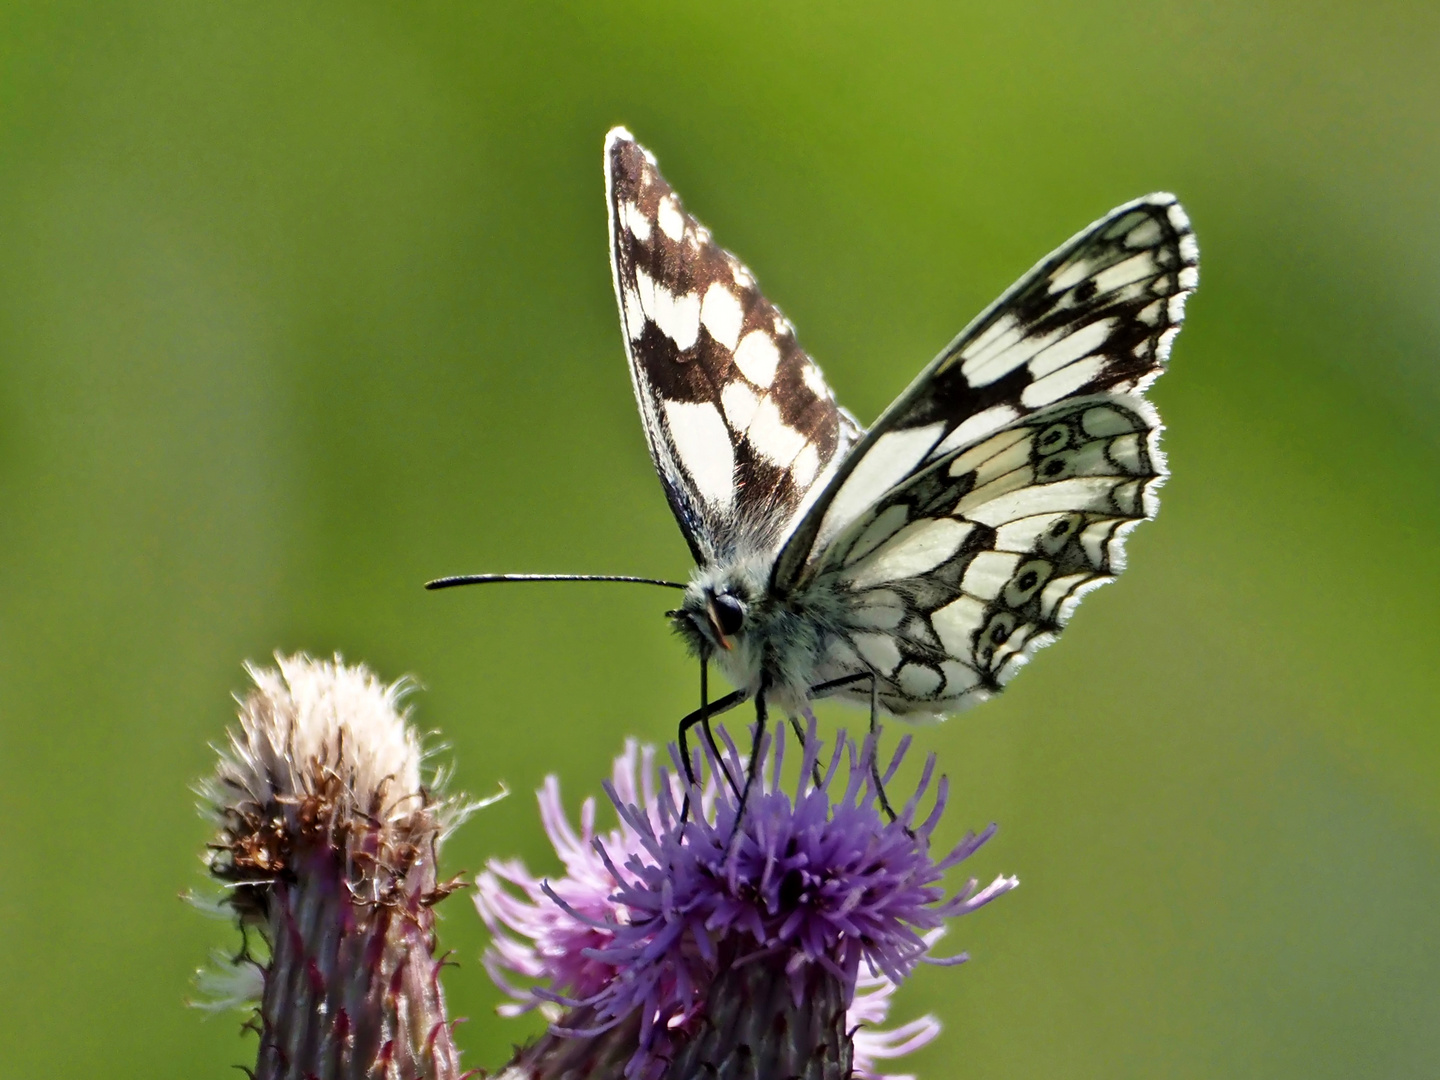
<point>927,559</point>
<point>778,641</point>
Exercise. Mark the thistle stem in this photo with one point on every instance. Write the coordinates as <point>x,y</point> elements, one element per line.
<point>352,989</point>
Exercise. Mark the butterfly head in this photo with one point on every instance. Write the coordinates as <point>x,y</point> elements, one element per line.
<point>719,610</point>
<point>726,614</point>
<point>712,620</point>
<point>730,616</point>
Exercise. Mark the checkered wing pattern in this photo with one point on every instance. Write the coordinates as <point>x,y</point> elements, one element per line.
<point>741,425</point>
<point>961,532</point>
<point>1099,314</point>
<point>959,573</point>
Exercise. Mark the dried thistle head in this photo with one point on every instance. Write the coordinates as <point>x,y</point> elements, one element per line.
<point>326,845</point>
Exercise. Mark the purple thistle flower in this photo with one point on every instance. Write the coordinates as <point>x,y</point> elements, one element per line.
<point>689,942</point>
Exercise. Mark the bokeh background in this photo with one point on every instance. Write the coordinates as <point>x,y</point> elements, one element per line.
<point>302,304</point>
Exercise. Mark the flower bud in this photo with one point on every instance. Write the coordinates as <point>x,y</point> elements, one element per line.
<point>326,849</point>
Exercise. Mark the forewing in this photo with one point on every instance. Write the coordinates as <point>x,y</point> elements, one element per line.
<point>949,582</point>
<point>740,422</point>
<point>1098,315</point>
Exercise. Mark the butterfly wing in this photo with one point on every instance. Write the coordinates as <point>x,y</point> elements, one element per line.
<point>741,425</point>
<point>962,531</point>
<point>957,575</point>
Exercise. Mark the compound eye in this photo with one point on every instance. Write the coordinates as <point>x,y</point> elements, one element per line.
<point>729,614</point>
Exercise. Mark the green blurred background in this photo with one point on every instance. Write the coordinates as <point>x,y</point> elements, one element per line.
<point>302,304</point>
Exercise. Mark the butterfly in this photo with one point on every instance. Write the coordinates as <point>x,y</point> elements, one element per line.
<point>916,566</point>
<point>923,562</point>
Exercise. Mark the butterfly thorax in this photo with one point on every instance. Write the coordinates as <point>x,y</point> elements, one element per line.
<point>729,615</point>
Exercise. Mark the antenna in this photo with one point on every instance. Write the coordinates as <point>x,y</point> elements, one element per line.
<point>490,579</point>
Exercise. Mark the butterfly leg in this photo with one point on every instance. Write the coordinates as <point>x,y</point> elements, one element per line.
<point>702,716</point>
<point>875,757</point>
<point>816,774</point>
<point>822,689</point>
<point>754,766</point>
<point>705,724</point>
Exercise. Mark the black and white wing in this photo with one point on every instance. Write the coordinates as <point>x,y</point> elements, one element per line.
<point>955,576</point>
<point>964,528</point>
<point>741,424</point>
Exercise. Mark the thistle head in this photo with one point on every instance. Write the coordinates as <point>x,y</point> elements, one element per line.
<point>711,934</point>
<point>325,846</point>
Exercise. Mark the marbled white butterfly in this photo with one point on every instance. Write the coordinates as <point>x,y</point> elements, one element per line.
<point>918,565</point>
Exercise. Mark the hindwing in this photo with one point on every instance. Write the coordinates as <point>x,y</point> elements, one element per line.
<point>950,581</point>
